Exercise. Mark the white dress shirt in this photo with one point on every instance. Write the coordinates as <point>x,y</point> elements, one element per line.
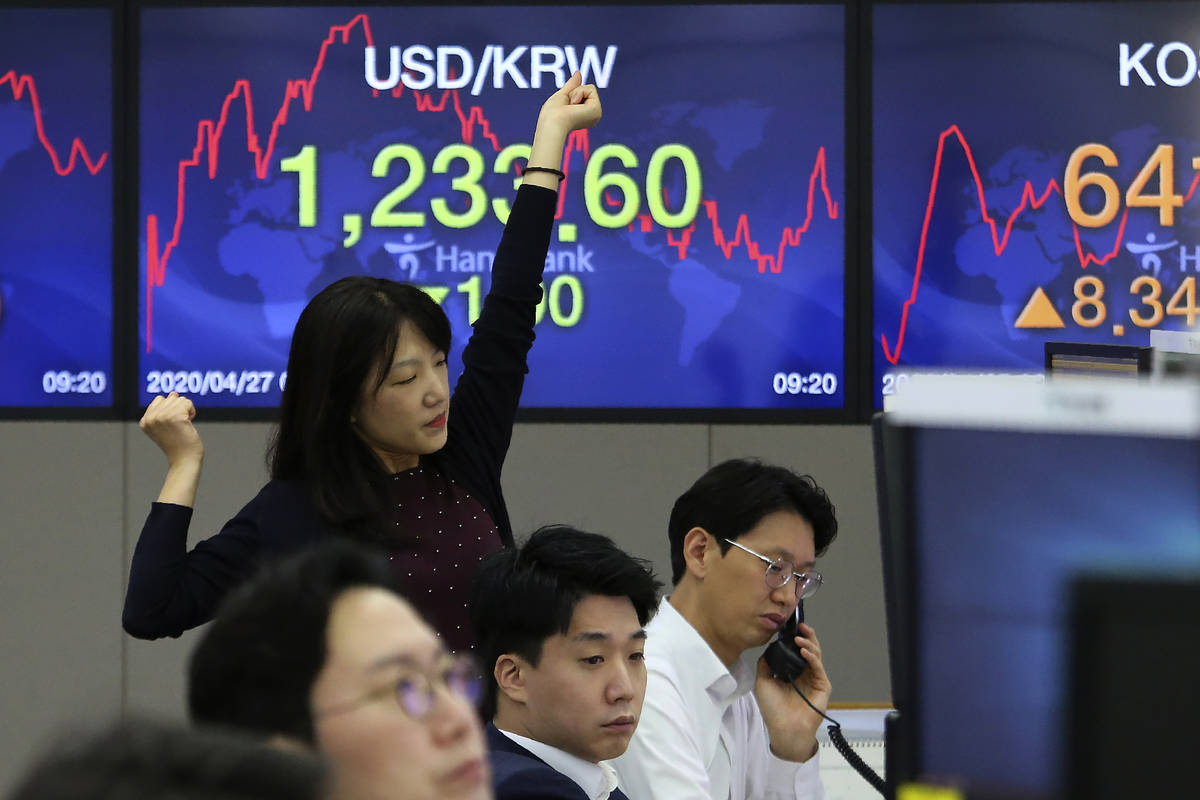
<point>597,780</point>
<point>701,734</point>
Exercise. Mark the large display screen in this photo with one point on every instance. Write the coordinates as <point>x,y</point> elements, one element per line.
<point>56,208</point>
<point>1035,169</point>
<point>1003,521</point>
<point>697,259</point>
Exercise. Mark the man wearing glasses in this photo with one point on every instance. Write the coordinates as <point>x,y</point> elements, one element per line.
<point>561,626</point>
<point>744,541</point>
<point>321,652</point>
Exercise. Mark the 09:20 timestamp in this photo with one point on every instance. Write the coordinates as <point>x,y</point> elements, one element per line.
<point>63,381</point>
<point>805,383</point>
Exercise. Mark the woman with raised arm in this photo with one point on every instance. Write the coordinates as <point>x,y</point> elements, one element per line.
<point>371,444</point>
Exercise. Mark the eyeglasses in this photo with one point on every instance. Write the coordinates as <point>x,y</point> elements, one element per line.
<point>416,692</point>
<point>780,571</point>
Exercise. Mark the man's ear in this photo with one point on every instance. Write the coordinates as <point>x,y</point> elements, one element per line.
<point>698,551</point>
<point>511,671</point>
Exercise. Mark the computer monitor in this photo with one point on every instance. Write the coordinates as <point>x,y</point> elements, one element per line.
<point>891,496</point>
<point>58,170</point>
<point>892,502</point>
<point>696,266</point>
<point>1133,705</point>
<point>1004,141</point>
<point>1085,358</point>
<point>1176,354</point>
<point>1015,488</point>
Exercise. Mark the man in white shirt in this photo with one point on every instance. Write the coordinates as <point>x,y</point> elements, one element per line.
<point>561,626</point>
<point>715,724</point>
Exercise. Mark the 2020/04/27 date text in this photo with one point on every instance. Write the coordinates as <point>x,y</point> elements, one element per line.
<point>213,381</point>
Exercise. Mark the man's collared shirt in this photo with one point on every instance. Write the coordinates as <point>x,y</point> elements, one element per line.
<point>596,780</point>
<point>701,734</point>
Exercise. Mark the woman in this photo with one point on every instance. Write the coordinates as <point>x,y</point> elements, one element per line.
<point>370,443</point>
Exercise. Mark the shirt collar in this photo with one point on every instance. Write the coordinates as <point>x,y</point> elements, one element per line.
<point>671,630</point>
<point>597,780</point>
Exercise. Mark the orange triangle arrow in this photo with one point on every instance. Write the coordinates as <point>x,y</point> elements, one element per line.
<point>1039,313</point>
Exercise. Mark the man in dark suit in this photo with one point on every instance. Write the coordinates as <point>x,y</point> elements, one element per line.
<point>518,773</point>
<point>561,625</point>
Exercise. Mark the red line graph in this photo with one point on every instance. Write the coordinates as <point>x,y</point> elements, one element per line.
<point>790,237</point>
<point>208,135</point>
<point>19,85</point>
<point>468,119</point>
<point>1029,199</point>
<point>471,120</point>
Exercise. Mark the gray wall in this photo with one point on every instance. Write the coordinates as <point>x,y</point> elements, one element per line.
<point>73,496</point>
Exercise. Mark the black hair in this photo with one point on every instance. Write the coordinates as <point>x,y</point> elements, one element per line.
<point>138,759</point>
<point>732,497</point>
<point>345,336</point>
<point>523,595</point>
<point>254,667</point>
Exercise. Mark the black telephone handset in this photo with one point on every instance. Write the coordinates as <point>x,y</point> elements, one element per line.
<point>783,656</point>
<point>784,659</point>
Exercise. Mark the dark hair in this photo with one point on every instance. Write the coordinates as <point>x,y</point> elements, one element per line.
<point>732,497</point>
<point>139,759</point>
<point>523,595</point>
<point>255,665</point>
<point>344,335</point>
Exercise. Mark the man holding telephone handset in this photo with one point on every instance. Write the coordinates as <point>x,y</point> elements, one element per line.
<point>715,723</point>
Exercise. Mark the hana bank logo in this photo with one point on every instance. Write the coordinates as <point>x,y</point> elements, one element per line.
<point>406,254</point>
<point>1150,254</point>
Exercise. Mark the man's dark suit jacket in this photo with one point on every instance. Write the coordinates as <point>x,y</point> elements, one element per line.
<point>518,774</point>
